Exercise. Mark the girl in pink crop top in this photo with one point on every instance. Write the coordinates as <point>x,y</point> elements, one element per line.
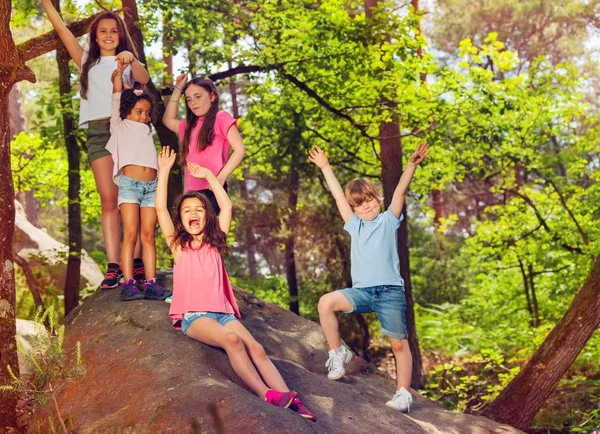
<point>207,134</point>
<point>203,304</point>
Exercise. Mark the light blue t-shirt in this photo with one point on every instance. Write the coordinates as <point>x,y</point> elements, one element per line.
<point>374,250</point>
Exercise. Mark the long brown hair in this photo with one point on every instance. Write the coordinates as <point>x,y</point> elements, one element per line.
<point>212,234</point>
<point>207,132</point>
<point>125,44</point>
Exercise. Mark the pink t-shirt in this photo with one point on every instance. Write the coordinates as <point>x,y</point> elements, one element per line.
<point>214,156</point>
<point>201,284</point>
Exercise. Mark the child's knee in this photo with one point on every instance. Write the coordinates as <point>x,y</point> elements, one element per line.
<point>129,236</point>
<point>326,304</point>
<point>233,342</point>
<point>147,237</point>
<point>399,345</point>
<point>258,351</point>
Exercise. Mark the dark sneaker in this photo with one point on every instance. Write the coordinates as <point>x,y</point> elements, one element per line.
<point>139,274</point>
<point>113,277</point>
<point>130,291</point>
<point>280,399</point>
<point>301,409</point>
<point>155,291</point>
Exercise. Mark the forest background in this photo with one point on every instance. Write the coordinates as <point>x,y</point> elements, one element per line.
<point>502,220</point>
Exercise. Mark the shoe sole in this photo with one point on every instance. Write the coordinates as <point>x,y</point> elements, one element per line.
<point>294,394</point>
<point>313,418</point>
<point>397,409</point>
<point>153,297</point>
<point>344,373</point>
<point>135,297</point>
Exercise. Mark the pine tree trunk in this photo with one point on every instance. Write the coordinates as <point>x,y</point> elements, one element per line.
<point>73,276</point>
<point>290,254</point>
<point>519,402</point>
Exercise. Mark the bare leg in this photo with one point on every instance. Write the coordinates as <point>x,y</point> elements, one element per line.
<point>403,357</point>
<point>210,332</point>
<point>148,217</point>
<point>108,190</point>
<point>130,215</point>
<point>329,304</point>
<point>137,251</point>
<point>263,364</point>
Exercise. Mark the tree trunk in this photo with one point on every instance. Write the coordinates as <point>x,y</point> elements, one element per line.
<point>290,254</point>
<point>73,277</point>
<point>519,402</point>
<point>12,70</point>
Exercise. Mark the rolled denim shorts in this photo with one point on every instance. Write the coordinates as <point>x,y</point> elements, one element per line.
<point>190,317</point>
<point>97,138</point>
<point>142,193</point>
<point>388,301</point>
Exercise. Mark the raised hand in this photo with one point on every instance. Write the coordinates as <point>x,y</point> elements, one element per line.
<point>420,154</point>
<point>166,158</point>
<point>317,156</point>
<point>116,75</point>
<point>198,171</point>
<point>181,80</point>
<point>125,58</point>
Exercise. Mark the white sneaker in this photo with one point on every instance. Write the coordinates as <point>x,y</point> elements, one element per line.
<point>338,359</point>
<point>401,400</point>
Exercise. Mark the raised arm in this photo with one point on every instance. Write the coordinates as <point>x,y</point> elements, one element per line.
<point>239,150</point>
<point>318,157</point>
<point>166,159</point>
<point>400,192</point>
<point>223,200</point>
<point>138,71</point>
<point>70,42</point>
<point>170,117</point>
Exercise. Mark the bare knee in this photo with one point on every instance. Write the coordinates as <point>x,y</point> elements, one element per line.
<point>147,237</point>
<point>129,237</point>
<point>326,304</point>
<point>108,202</point>
<point>399,346</point>
<point>258,351</point>
<point>232,342</point>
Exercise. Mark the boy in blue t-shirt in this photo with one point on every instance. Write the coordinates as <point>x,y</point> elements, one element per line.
<point>376,282</point>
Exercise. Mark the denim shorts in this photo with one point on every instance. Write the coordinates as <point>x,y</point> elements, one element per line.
<point>190,317</point>
<point>131,190</point>
<point>388,301</point>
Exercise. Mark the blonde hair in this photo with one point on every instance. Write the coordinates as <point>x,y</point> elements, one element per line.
<point>361,190</point>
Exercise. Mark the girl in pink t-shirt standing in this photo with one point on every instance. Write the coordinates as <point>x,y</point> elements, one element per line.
<point>204,305</point>
<point>207,134</point>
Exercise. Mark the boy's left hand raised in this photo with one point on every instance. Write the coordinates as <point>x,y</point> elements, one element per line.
<point>420,154</point>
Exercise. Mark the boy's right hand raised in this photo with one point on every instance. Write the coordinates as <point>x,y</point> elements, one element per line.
<point>166,159</point>
<point>317,156</point>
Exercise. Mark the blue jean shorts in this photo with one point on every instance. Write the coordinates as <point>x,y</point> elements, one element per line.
<point>190,317</point>
<point>388,301</point>
<point>142,193</point>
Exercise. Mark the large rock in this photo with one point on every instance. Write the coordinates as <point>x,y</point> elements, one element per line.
<point>30,240</point>
<point>144,376</point>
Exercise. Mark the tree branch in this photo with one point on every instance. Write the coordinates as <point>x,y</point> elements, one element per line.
<point>50,41</point>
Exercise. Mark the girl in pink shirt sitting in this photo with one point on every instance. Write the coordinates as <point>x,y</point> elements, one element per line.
<point>134,171</point>
<point>207,134</point>
<point>203,304</point>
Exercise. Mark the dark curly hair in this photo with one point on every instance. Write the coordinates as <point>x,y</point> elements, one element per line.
<point>129,99</point>
<point>212,233</point>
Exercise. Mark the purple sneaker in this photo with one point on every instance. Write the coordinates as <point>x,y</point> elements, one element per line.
<point>280,399</point>
<point>130,291</point>
<point>155,291</point>
<point>301,409</point>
